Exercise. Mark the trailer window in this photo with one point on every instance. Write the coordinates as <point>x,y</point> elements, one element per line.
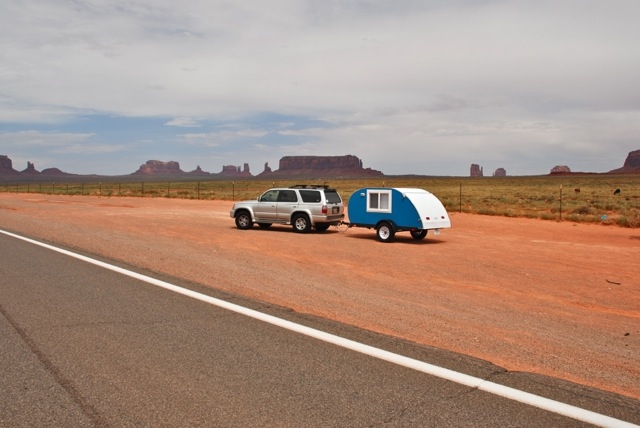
<point>379,201</point>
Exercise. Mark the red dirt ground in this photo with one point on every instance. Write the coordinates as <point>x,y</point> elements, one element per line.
<point>555,298</point>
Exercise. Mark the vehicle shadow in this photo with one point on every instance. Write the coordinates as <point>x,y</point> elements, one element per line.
<point>403,238</point>
<point>398,239</point>
<point>277,228</point>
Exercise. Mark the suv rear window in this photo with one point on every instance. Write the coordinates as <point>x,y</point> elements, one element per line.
<point>332,197</point>
<point>311,196</point>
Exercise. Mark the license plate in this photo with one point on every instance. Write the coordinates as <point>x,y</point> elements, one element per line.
<point>335,210</point>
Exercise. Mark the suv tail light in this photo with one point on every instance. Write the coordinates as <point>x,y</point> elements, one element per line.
<point>324,209</point>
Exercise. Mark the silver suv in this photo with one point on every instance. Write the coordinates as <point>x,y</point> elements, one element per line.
<point>302,206</point>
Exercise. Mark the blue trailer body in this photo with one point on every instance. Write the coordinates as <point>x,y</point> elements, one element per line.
<point>397,209</point>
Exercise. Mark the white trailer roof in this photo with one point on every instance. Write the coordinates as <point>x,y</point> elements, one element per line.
<point>427,205</point>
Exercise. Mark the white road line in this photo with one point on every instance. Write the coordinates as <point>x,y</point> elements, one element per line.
<point>460,378</point>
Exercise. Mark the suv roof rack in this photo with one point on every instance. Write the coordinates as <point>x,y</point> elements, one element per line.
<point>309,186</point>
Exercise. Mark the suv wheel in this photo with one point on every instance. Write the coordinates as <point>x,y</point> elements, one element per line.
<point>321,227</point>
<point>385,232</point>
<point>243,220</point>
<point>301,223</point>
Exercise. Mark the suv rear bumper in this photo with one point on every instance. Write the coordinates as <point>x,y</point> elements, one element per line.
<point>333,219</point>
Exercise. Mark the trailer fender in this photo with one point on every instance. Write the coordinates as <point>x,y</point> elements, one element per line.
<point>393,225</point>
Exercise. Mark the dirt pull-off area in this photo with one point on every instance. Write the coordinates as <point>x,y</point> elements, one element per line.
<point>555,298</point>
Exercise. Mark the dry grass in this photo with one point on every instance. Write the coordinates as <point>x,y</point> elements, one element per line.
<point>580,198</point>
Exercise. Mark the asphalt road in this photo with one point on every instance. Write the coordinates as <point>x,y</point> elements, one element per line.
<point>81,345</point>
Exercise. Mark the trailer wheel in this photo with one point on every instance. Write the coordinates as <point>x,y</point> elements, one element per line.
<point>385,232</point>
<point>418,233</point>
<point>301,223</point>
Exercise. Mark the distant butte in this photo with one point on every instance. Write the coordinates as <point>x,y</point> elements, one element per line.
<point>560,170</point>
<point>631,164</point>
<point>290,167</point>
<point>156,167</point>
<point>6,166</point>
<point>320,167</point>
<point>315,166</point>
<point>476,170</point>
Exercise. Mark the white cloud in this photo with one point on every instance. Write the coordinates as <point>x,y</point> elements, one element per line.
<point>426,85</point>
<point>71,152</point>
<point>42,140</point>
<point>183,122</point>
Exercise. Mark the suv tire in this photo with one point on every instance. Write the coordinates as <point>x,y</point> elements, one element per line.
<point>301,223</point>
<point>243,220</point>
<point>321,227</point>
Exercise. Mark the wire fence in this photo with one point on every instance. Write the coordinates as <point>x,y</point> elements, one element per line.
<point>607,200</point>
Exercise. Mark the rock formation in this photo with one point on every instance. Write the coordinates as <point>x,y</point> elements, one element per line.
<point>631,164</point>
<point>159,168</point>
<point>54,172</point>
<point>315,166</point>
<point>476,170</point>
<point>31,169</point>
<point>230,169</point>
<point>6,166</point>
<point>560,169</point>
<point>198,172</point>
<point>235,171</point>
<point>292,163</point>
<point>348,166</point>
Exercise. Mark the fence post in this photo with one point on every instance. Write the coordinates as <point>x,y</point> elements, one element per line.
<point>561,202</point>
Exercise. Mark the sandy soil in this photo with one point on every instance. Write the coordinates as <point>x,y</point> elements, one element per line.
<point>554,298</point>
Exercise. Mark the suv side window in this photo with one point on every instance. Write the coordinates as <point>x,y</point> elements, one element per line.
<point>287,196</point>
<point>310,196</point>
<point>332,197</point>
<point>270,196</point>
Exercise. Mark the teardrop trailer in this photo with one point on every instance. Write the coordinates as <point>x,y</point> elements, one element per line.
<point>391,210</point>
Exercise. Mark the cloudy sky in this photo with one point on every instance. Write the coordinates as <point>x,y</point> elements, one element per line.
<point>408,86</point>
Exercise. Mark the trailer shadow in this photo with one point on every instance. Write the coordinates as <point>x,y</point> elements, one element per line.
<point>399,239</point>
